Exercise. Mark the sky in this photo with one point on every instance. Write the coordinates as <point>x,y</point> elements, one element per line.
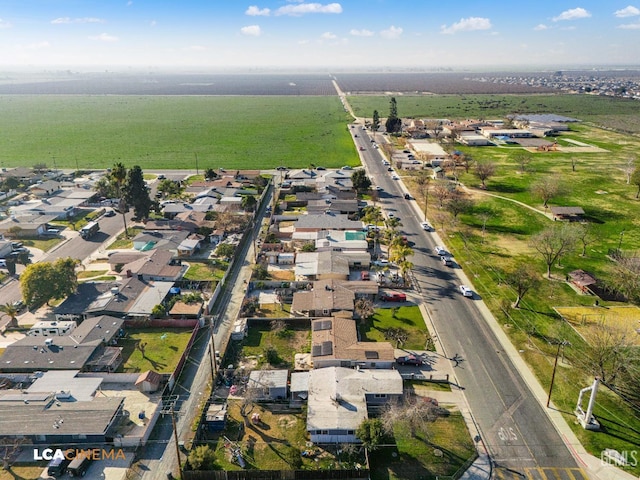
<point>351,34</point>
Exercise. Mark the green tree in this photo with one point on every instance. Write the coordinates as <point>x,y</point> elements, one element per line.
<point>225,250</point>
<point>10,311</point>
<point>249,203</point>
<point>371,433</point>
<point>364,308</point>
<point>170,187</point>
<point>393,123</point>
<point>210,173</point>
<point>158,311</point>
<point>202,458</point>
<point>43,281</point>
<point>360,180</point>
<point>10,183</point>
<point>375,125</point>
<point>136,193</point>
<point>635,180</point>
<point>309,247</point>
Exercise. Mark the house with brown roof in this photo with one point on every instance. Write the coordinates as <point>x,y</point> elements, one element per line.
<point>326,298</point>
<point>149,381</point>
<point>159,265</point>
<point>334,343</point>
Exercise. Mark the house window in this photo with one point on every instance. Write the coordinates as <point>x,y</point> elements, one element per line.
<point>380,395</point>
<point>351,432</point>
<point>322,432</point>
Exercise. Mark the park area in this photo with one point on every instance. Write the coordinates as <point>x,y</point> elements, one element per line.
<point>589,321</point>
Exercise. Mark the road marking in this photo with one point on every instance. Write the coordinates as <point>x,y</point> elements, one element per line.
<point>540,473</point>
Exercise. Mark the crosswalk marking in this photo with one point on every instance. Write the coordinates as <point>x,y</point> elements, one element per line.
<point>539,473</point>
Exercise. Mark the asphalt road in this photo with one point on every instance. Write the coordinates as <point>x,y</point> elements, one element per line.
<point>75,247</point>
<point>514,427</point>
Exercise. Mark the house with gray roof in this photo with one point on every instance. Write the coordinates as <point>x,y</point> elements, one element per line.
<point>339,399</point>
<point>310,223</point>
<point>326,298</point>
<point>312,266</point>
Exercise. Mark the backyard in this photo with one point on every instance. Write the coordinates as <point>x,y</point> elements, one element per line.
<point>156,349</point>
<point>277,347</point>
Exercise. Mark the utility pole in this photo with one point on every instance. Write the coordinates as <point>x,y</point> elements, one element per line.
<point>553,374</point>
<point>197,171</point>
<point>175,439</point>
<point>214,361</point>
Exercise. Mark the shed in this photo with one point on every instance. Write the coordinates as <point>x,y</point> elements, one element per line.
<point>216,416</point>
<point>269,384</point>
<point>582,280</point>
<point>573,214</point>
<point>149,381</point>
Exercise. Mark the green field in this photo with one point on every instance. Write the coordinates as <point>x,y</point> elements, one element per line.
<point>616,113</point>
<point>162,351</point>
<point>167,132</point>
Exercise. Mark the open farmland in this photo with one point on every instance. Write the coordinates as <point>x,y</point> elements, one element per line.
<point>167,132</point>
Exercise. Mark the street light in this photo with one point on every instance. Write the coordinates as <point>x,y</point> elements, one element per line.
<point>555,365</point>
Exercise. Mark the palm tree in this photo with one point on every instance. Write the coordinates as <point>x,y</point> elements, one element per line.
<point>11,311</point>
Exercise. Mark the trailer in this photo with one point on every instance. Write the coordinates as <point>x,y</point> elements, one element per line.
<point>89,230</point>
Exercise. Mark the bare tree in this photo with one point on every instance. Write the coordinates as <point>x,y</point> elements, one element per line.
<point>553,242</point>
<point>523,159</point>
<point>629,167</point>
<point>414,412</point>
<point>364,308</point>
<point>451,167</point>
<point>9,448</point>
<point>546,188</point>
<point>442,191</point>
<point>523,278</point>
<point>484,171</point>
<point>625,278</point>
<point>585,235</point>
<point>397,334</point>
<point>467,161</point>
<point>458,204</point>
<point>423,182</point>
<point>440,218</point>
<point>608,351</point>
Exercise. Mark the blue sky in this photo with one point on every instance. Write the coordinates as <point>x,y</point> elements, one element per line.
<point>302,33</point>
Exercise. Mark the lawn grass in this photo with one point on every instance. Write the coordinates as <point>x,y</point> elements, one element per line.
<point>22,472</point>
<point>44,244</point>
<point>293,340</point>
<point>419,457</point>
<point>162,351</point>
<point>409,318</point>
<point>83,274</point>
<point>123,241</point>
<point>203,271</point>
<point>165,132</point>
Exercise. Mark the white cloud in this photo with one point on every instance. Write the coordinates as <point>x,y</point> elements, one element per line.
<point>129,3</point>
<point>153,23</point>
<point>629,11</point>
<point>4,24</point>
<point>540,27</point>
<point>63,20</point>
<point>37,45</point>
<point>572,14</point>
<point>254,11</point>
<point>251,30</point>
<point>361,33</point>
<point>328,36</point>
<point>468,25</point>
<point>630,26</point>
<point>104,37</point>
<point>303,8</point>
<point>391,32</point>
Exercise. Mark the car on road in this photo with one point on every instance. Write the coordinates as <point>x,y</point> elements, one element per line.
<point>426,226</point>
<point>161,177</point>
<point>385,163</point>
<point>3,263</point>
<point>356,135</point>
<point>380,263</point>
<point>446,260</point>
<point>281,168</point>
<point>395,176</point>
<point>347,167</point>
<point>378,188</point>
<point>406,151</point>
<point>51,232</point>
<point>408,196</point>
<point>440,250</point>
<point>466,291</point>
<point>362,149</point>
<point>109,213</point>
<point>390,169</point>
<point>320,168</point>
<point>409,360</point>
<point>393,297</point>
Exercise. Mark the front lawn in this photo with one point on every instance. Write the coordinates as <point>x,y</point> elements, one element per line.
<point>123,241</point>
<point>162,349</point>
<point>44,244</point>
<point>440,449</point>
<point>407,318</point>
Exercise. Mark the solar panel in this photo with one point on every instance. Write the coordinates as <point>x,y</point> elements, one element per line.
<point>321,325</point>
<point>327,348</point>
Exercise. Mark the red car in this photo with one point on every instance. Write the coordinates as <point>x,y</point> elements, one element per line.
<point>393,297</point>
<point>409,360</point>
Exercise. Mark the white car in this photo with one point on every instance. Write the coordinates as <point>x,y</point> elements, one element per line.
<point>440,250</point>
<point>466,291</point>
<point>395,177</point>
<point>426,226</point>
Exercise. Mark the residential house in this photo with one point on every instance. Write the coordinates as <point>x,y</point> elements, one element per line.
<point>5,248</point>
<point>75,415</point>
<point>334,343</point>
<point>430,152</point>
<point>339,399</point>
<point>268,384</point>
<point>190,245</point>
<point>327,298</point>
<point>311,223</point>
<point>159,265</point>
<point>46,188</point>
<point>312,266</point>
<point>25,225</point>
<point>161,240</point>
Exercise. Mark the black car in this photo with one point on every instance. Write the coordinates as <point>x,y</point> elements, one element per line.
<point>389,169</point>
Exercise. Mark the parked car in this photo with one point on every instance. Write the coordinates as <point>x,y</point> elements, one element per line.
<point>393,297</point>
<point>390,169</point>
<point>347,167</point>
<point>320,168</point>
<point>426,226</point>
<point>409,360</point>
<point>281,168</point>
<point>466,291</point>
<point>440,250</point>
<point>380,263</point>
<point>408,197</point>
<point>362,149</point>
<point>51,232</point>
<point>395,177</point>
<point>57,467</point>
<point>446,260</point>
<point>161,177</point>
<point>79,466</point>
<point>109,213</point>
<point>3,263</point>
<point>378,188</point>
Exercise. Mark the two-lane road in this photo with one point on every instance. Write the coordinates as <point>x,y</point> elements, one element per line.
<point>516,431</point>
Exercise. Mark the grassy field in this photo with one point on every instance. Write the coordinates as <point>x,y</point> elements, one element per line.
<point>599,186</point>
<point>203,271</point>
<point>440,450</point>
<point>162,351</point>
<point>589,108</point>
<point>287,344</point>
<point>167,132</point>
<point>22,472</point>
<point>408,318</point>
